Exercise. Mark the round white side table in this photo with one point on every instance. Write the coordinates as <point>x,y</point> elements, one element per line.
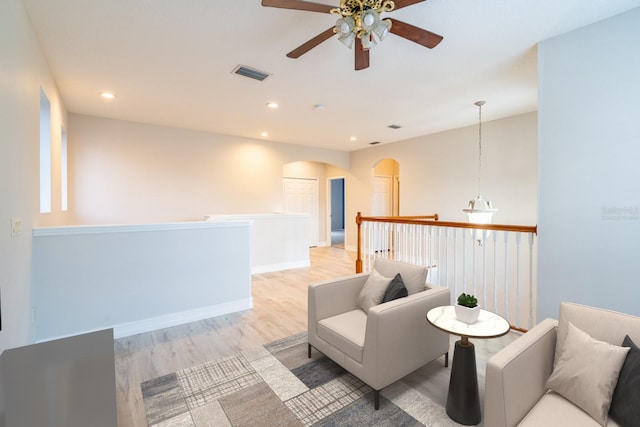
<point>463,400</point>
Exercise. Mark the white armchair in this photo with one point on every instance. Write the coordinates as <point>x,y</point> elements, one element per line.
<point>516,391</point>
<point>390,341</point>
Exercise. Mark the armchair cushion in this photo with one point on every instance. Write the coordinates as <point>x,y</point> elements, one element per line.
<point>345,331</point>
<point>373,290</point>
<point>575,378</point>
<point>414,276</point>
<point>395,290</point>
<point>624,405</point>
<point>554,410</point>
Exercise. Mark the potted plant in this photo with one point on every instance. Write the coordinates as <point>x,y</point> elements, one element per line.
<point>467,309</point>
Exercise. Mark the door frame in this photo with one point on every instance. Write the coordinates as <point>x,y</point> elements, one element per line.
<point>344,208</point>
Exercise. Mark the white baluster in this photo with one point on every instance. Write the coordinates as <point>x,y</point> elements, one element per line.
<point>464,261</point>
<point>484,268</point>
<point>473,264</point>
<point>445,260</point>
<point>532,304</point>
<point>518,318</point>
<point>506,276</point>
<point>455,264</point>
<point>495,271</point>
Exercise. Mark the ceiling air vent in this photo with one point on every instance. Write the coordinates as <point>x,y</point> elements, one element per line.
<point>252,73</point>
<point>374,143</point>
<point>394,126</point>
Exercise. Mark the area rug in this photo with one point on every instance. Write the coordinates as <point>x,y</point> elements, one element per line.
<point>277,385</point>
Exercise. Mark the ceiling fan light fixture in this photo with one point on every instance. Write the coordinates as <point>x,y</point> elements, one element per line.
<point>347,39</point>
<point>369,20</point>
<point>362,19</point>
<point>368,41</point>
<point>382,29</point>
<point>345,25</point>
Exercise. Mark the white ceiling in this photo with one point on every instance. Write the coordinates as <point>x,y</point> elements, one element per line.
<point>169,62</point>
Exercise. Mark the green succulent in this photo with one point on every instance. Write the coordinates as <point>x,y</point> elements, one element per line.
<point>467,300</point>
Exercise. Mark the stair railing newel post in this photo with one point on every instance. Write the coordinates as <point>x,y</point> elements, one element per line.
<point>359,255</point>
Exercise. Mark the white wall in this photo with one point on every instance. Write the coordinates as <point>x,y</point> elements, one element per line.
<point>439,173</point>
<point>125,172</point>
<point>589,209</point>
<point>23,70</point>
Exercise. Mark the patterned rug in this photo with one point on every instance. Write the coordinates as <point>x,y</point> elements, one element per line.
<point>277,385</point>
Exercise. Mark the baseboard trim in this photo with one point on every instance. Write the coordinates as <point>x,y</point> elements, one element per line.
<point>175,319</point>
<point>279,266</point>
<point>166,321</point>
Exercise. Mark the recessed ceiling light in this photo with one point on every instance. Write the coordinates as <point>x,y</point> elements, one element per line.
<point>264,134</point>
<point>353,138</point>
<point>272,105</point>
<point>107,95</point>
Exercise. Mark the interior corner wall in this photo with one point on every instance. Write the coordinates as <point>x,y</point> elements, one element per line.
<point>439,172</point>
<point>23,71</point>
<point>589,198</point>
<point>130,173</point>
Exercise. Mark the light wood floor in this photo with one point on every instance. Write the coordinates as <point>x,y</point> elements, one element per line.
<point>280,310</point>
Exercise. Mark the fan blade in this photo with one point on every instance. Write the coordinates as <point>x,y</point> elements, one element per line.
<point>307,46</point>
<point>415,34</point>
<point>362,56</point>
<point>298,5</point>
<point>399,4</point>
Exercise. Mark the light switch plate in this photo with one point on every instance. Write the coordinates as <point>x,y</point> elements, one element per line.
<point>16,227</point>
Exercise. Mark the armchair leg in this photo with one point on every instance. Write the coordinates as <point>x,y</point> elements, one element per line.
<point>376,399</point>
<point>446,359</point>
<point>309,351</point>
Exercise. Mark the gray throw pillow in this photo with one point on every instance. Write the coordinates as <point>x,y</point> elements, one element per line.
<point>395,290</point>
<point>625,408</point>
<point>373,290</point>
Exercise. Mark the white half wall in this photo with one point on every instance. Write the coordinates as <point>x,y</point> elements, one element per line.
<point>138,278</point>
<point>589,203</point>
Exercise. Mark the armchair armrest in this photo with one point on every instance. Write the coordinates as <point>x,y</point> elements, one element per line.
<point>517,374</point>
<point>399,339</point>
<point>332,297</point>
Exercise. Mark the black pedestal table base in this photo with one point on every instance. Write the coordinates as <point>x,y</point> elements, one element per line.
<point>463,402</point>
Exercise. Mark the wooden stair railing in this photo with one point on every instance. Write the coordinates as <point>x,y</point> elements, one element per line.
<point>394,219</point>
<point>433,221</point>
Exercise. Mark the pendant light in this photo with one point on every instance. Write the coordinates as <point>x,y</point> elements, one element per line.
<point>479,210</point>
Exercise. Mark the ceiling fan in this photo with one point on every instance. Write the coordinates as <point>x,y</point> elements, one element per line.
<point>359,20</point>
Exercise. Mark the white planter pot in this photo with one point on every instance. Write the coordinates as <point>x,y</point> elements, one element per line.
<point>466,314</point>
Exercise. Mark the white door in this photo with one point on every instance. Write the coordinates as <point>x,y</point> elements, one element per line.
<point>382,206</point>
<point>382,196</point>
<point>301,196</point>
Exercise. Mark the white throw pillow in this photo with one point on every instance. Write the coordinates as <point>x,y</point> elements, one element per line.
<point>586,372</point>
<point>373,290</point>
